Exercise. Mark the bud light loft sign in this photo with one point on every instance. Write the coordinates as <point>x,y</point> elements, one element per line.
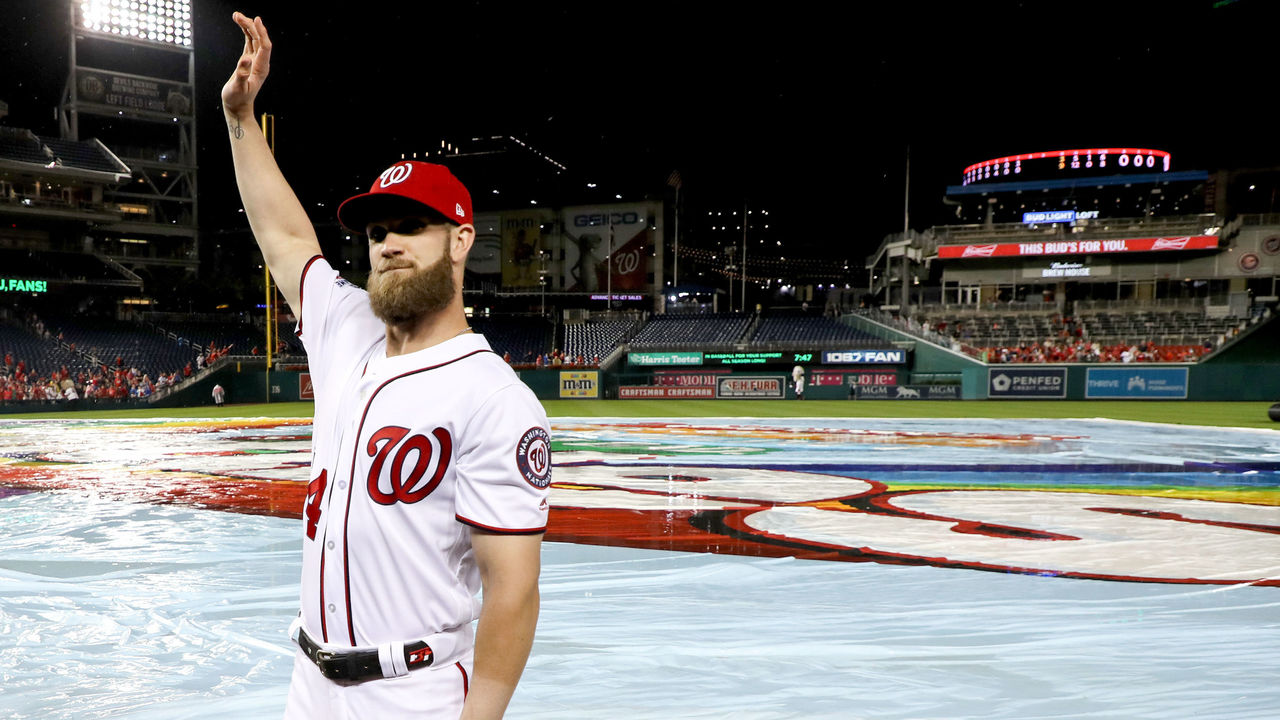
<point>1057,216</point>
<point>1136,382</point>
<point>1038,383</point>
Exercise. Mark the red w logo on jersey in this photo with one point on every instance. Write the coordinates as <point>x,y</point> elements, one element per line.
<point>406,487</point>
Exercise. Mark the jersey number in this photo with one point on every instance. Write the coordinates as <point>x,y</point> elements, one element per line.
<point>406,487</point>
<point>315,491</point>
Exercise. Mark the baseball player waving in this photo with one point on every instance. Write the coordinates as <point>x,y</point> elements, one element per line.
<point>430,459</point>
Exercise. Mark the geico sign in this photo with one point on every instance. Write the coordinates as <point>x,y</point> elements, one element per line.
<point>623,218</point>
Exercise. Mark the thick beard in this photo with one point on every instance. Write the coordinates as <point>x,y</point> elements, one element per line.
<point>399,298</point>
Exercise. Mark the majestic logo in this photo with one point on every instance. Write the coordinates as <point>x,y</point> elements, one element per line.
<point>400,485</point>
<point>1177,243</point>
<point>979,250</point>
<point>533,457</point>
<point>457,209</point>
<point>394,175</point>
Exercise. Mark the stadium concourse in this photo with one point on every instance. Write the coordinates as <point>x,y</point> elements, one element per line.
<point>749,568</point>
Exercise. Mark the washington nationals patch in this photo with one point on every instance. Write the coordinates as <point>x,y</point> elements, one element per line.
<point>533,457</point>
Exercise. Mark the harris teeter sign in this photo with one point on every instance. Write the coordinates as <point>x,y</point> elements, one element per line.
<point>664,358</point>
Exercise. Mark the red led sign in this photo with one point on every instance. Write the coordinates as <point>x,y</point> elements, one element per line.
<point>1079,247</point>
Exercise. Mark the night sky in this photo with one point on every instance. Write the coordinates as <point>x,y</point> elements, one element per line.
<point>807,109</point>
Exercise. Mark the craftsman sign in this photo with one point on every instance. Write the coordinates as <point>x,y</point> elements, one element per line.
<point>643,392</point>
<point>1079,247</point>
<point>864,357</point>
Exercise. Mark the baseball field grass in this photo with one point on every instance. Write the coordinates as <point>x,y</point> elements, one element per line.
<point>1222,414</point>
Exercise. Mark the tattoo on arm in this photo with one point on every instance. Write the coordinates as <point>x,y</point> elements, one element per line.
<point>236,131</point>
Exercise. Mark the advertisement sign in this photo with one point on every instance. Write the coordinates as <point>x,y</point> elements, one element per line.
<point>907,392</point>
<point>580,384</point>
<point>664,358</point>
<point>522,246</point>
<point>636,392</point>
<point>1136,382</point>
<point>820,378</point>
<point>1039,383</point>
<point>485,257</point>
<point>669,378</point>
<point>31,286</point>
<point>864,357</point>
<point>745,358</point>
<point>305,390</point>
<point>1079,247</point>
<point>131,92</point>
<point>608,246</point>
<point>1057,216</point>
<point>747,386</point>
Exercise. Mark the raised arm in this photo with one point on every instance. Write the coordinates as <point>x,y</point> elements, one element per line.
<point>281,226</point>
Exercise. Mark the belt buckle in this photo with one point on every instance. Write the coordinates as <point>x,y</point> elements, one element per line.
<point>325,661</point>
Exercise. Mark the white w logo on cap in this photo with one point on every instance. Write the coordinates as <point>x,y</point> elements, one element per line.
<point>395,174</point>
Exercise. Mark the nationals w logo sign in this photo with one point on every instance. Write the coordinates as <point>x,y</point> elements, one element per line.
<point>411,457</point>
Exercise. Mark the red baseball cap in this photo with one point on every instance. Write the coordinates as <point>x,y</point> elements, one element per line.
<point>403,187</point>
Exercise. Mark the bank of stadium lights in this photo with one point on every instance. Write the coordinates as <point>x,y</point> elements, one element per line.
<point>159,21</point>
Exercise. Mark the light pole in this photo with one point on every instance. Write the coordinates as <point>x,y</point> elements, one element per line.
<point>744,257</point>
<point>609,259</point>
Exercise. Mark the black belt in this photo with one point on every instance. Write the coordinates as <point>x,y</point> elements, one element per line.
<point>359,665</point>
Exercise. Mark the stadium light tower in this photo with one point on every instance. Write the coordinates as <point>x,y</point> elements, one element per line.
<point>131,84</point>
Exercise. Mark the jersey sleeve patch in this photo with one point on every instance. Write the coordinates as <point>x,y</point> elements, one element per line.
<point>533,457</point>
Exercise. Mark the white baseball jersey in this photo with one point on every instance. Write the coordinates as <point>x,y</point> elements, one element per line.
<point>409,453</point>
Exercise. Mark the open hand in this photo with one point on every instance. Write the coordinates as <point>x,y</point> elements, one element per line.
<point>251,71</point>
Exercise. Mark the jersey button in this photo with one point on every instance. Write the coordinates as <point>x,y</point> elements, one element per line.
<point>342,484</point>
<point>330,544</point>
<point>332,607</point>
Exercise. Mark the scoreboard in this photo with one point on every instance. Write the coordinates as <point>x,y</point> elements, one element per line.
<point>1068,163</point>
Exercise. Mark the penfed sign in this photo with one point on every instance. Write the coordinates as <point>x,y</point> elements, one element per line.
<point>1026,383</point>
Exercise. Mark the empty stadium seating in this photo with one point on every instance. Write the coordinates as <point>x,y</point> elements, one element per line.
<point>596,338</point>
<point>809,330</point>
<point>692,331</point>
<point>522,338</point>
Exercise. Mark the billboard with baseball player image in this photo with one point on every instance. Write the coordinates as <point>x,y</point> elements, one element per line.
<point>522,243</point>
